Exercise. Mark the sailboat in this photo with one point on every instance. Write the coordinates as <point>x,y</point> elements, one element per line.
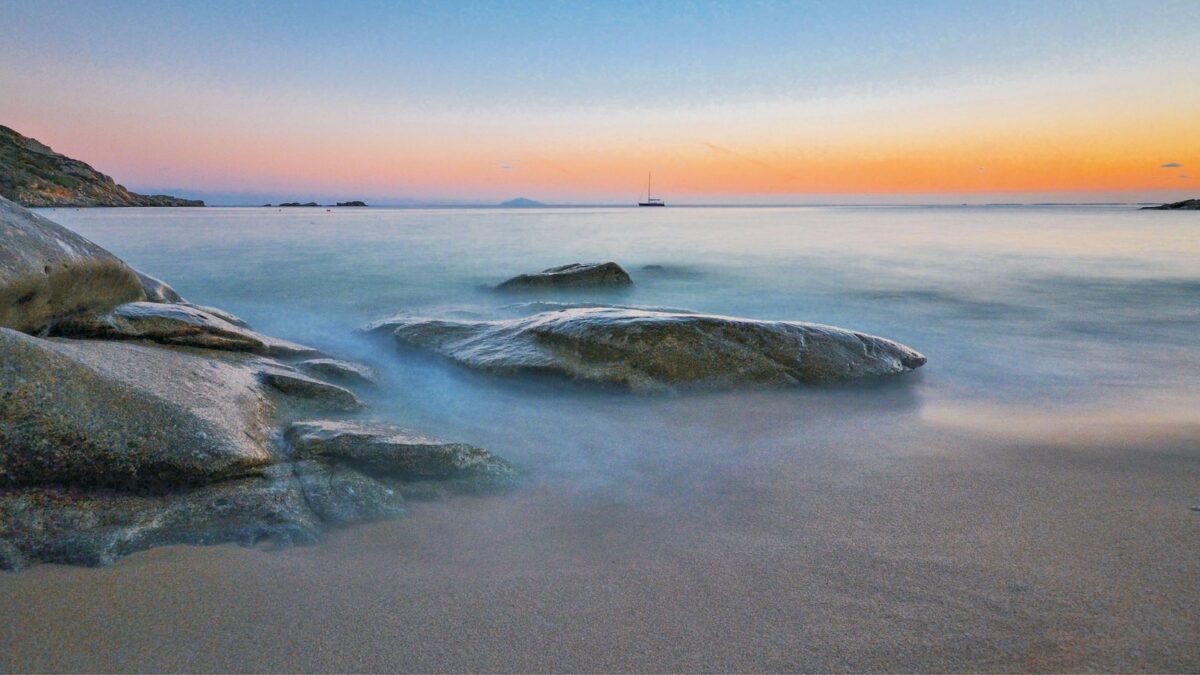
<point>651,201</point>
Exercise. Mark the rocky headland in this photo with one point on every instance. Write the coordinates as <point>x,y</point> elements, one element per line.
<point>31,174</point>
<point>130,418</point>
<point>1185,205</point>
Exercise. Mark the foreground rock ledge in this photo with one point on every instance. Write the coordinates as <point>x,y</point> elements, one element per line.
<point>107,448</point>
<point>575,275</point>
<point>655,350</point>
<point>142,424</point>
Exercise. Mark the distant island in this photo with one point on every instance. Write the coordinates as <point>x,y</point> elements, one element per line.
<point>313,204</point>
<point>31,174</point>
<point>521,202</point>
<point>1185,205</point>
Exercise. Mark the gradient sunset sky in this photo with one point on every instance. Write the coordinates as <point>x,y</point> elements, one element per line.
<point>245,102</point>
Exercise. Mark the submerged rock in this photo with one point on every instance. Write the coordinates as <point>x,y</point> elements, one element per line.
<point>575,275</point>
<point>649,350</point>
<point>48,273</point>
<point>177,324</point>
<point>338,369</point>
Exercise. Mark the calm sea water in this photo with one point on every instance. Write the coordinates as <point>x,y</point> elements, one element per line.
<point>1040,308</point>
<point>1056,305</point>
<point>1020,503</point>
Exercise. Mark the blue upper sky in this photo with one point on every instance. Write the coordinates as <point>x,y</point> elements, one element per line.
<point>602,52</point>
<point>508,70</point>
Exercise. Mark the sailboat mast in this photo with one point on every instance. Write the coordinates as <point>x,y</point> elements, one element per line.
<point>648,174</point>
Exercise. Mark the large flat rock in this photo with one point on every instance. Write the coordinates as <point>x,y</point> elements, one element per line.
<point>649,350</point>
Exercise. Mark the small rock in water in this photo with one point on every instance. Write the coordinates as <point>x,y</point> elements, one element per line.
<point>575,275</point>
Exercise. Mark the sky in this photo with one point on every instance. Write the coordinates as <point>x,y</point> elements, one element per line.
<point>746,102</point>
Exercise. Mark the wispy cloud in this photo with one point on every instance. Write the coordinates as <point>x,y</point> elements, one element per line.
<point>506,165</point>
<point>756,162</point>
<point>1170,165</point>
<point>1184,177</point>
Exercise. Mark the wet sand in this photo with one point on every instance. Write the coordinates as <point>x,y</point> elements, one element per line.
<point>957,540</point>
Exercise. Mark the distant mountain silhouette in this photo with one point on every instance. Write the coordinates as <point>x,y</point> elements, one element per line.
<point>521,201</point>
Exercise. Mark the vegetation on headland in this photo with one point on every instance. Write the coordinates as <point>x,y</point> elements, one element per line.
<point>31,174</point>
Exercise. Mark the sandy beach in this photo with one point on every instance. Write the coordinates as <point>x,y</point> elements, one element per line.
<point>965,546</point>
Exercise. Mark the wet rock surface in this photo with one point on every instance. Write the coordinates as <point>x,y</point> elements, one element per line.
<point>309,389</point>
<point>178,324</point>
<point>220,314</point>
<point>575,275</point>
<point>337,369</point>
<point>387,450</point>
<point>653,350</point>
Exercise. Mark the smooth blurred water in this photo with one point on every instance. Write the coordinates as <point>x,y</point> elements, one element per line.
<point>1056,304</point>
<point>1045,307</point>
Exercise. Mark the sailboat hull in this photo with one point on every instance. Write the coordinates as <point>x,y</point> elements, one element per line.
<point>651,204</point>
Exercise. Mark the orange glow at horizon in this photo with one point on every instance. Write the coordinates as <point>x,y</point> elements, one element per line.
<point>1026,138</point>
